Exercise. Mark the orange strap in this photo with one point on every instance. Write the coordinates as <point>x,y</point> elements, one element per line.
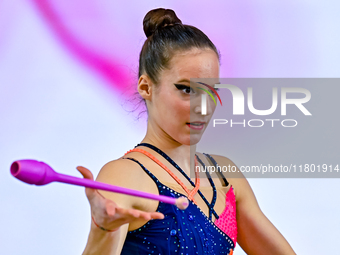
<point>191,193</point>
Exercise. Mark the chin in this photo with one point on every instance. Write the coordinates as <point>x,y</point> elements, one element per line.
<point>188,141</point>
<point>194,139</point>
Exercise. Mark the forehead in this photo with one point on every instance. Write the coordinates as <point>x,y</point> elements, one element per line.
<point>195,63</point>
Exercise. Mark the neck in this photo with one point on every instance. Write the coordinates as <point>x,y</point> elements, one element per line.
<point>183,155</point>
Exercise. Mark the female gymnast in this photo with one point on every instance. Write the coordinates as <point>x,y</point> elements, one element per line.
<point>221,211</point>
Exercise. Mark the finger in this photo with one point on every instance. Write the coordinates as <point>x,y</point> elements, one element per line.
<point>157,215</point>
<point>86,173</point>
<point>151,215</point>
<point>127,212</point>
<point>110,207</point>
<point>135,213</point>
<point>147,215</point>
<point>140,214</point>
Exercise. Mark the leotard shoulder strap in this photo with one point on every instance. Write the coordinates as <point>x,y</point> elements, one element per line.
<point>163,154</point>
<point>218,169</point>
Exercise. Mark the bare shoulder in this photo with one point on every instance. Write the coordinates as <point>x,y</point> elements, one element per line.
<point>121,172</point>
<point>128,174</point>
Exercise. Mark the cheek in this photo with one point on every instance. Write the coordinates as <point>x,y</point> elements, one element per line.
<point>181,109</point>
<point>213,108</point>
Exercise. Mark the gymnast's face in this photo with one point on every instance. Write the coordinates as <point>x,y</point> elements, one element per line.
<point>174,107</point>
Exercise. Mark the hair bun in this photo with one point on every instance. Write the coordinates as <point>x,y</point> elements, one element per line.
<point>159,18</point>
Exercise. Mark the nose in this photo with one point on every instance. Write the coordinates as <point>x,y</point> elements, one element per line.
<point>197,109</point>
<point>204,106</point>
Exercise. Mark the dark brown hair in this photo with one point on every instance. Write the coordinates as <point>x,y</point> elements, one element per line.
<point>166,35</point>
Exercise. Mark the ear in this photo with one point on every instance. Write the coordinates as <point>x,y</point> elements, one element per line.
<point>145,87</point>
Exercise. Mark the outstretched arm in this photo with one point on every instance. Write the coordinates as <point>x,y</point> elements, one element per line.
<point>111,213</point>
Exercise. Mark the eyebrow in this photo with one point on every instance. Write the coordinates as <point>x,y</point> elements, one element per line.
<point>207,84</point>
<point>184,80</point>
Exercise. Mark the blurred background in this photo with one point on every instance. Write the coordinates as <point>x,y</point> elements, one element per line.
<point>67,69</point>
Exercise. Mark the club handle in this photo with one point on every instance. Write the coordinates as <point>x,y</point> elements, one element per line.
<point>108,187</point>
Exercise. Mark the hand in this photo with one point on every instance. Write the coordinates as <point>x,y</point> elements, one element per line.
<point>107,213</point>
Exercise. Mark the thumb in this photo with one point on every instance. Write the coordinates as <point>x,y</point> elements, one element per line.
<point>86,173</point>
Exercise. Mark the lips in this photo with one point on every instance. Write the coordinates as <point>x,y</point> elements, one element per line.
<point>197,125</point>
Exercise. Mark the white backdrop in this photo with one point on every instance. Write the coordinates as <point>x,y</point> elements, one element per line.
<point>56,108</point>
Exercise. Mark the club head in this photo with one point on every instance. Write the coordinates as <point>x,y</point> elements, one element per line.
<point>33,172</point>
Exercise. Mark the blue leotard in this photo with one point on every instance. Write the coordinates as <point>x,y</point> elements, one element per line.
<point>186,232</point>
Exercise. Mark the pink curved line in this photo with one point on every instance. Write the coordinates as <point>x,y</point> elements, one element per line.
<point>117,76</point>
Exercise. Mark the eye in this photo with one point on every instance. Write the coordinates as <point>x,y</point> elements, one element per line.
<point>184,88</point>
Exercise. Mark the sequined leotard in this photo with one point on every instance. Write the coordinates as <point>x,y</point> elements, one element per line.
<point>187,231</point>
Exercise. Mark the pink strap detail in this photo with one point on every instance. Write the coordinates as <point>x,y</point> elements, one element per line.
<point>227,220</point>
<point>191,193</point>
